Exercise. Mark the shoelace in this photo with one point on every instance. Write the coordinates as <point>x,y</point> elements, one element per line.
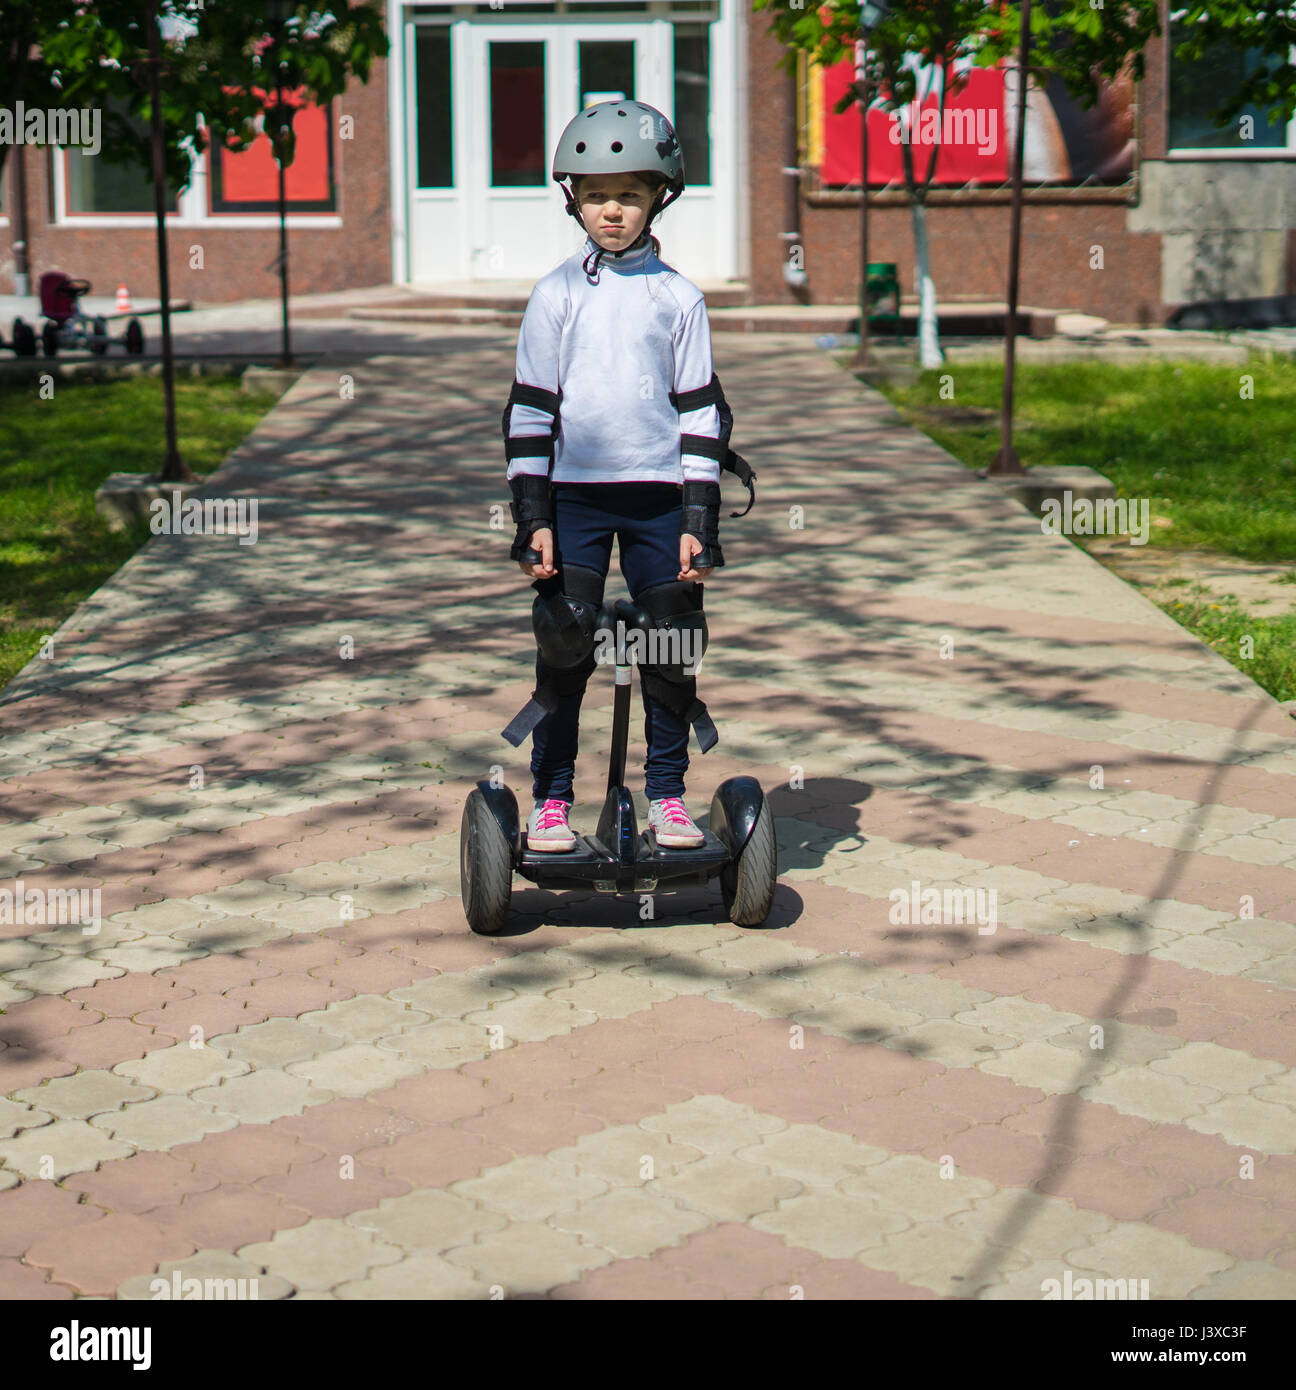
<point>553,815</point>
<point>673,812</point>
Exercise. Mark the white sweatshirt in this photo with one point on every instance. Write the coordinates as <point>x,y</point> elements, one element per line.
<point>616,348</point>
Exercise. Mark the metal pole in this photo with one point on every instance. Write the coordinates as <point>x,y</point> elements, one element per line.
<point>862,352</point>
<point>285,354</point>
<point>1007,460</point>
<point>174,469</point>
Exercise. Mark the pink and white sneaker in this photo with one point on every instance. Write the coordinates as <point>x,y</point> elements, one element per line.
<point>547,828</point>
<point>672,825</point>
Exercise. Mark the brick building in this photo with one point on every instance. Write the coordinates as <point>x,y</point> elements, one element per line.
<point>437,171</point>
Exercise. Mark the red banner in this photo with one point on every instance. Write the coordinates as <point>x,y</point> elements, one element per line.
<point>971,136</point>
<point>253,175</point>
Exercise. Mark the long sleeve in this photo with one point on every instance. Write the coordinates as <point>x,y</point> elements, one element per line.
<point>700,448</point>
<point>530,419</point>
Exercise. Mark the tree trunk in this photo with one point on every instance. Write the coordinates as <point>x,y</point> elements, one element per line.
<point>929,348</point>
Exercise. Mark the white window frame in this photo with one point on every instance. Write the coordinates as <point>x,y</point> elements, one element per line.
<point>1188,152</point>
<point>192,204</point>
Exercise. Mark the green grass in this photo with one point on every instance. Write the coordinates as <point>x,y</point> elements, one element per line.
<point>1220,469</point>
<point>55,550</point>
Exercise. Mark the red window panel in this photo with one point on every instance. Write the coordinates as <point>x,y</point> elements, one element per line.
<point>249,181</point>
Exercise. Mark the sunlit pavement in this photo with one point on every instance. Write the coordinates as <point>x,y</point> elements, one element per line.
<point>284,1056</point>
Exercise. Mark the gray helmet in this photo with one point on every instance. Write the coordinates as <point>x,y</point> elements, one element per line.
<point>620,137</point>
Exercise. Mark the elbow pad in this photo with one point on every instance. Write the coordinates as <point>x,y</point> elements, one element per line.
<point>532,508</point>
<point>700,517</point>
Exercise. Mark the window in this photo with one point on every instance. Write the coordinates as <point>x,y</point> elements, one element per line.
<point>517,115</point>
<point>435,135</point>
<point>248,181</point>
<point>96,186</point>
<point>1196,89</point>
<point>607,70</point>
<point>693,100</point>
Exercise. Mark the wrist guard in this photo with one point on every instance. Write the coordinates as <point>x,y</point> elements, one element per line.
<point>701,518</point>
<point>532,508</point>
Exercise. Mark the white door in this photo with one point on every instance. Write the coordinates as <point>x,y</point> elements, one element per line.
<point>527,82</point>
<point>485,103</point>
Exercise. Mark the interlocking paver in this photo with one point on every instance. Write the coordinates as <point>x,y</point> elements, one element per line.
<point>321,1254</point>
<point>53,1151</point>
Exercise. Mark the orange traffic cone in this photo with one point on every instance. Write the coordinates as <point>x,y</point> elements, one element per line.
<point>123,300</point>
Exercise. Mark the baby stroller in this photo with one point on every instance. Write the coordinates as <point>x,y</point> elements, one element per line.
<point>66,326</point>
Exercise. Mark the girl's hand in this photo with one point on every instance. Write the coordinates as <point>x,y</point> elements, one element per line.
<point>541,540</point>
<point>689,547</point>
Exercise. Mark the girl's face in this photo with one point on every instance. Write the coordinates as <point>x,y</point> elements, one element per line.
<point>614,208</point>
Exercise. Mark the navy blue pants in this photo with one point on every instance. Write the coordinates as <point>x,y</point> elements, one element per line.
<point>645,518</point>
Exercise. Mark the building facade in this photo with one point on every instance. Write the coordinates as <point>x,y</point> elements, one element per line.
<point>436,172</point>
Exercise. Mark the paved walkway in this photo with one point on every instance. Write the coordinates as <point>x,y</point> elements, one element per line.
<point>285,1057</point>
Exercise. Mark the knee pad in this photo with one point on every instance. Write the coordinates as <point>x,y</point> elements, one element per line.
<point>565,619</point>
<point>565,616</point>
<point>678,629</point>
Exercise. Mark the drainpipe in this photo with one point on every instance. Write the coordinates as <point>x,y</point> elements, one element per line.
<point>18,185</point>
<point>794,273</point>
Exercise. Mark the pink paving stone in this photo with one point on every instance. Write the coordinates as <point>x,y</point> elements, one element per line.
<point>737,1258</point>
<point>33,1022</point>
<point>247,1152</point>
<point>620,1096</point>
<point>691,1019</point>
<point>140,1183</point>
<point>616,1041</point>
<point>1219,1220</point>
<point>705,1068</point>
<point>213,1013</point>
<point>998,1155</point>
<point>440,1097</point>
<point>439,1155</point>
<point>128,995</point>
<point>20,1068</point>
<point>94,1259</point>
<point>796,1104</point>
<point>288,996</point>
<point>1098,1183</point>
<point>1085,1126</point>
<point>217,974</point>
<point>899,1124</point>
<point>531,1069</point>
<point>871,1071</point>
<point>346,1126</point>
<point>274,831</point>
<point>373,974</point>
<point>530,1125</point>
<point>1022,973</point>
<point>302,952</point>
<point>1181,1153</point>
<point>321,1189</point>
<point>20,1281</point>
<point>977,1095</point>
<point>103,1046</point>
<point>32,1208</point>
<point>232,1215</point>
<point>1262,1040</point>
<point>849,1279</point>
